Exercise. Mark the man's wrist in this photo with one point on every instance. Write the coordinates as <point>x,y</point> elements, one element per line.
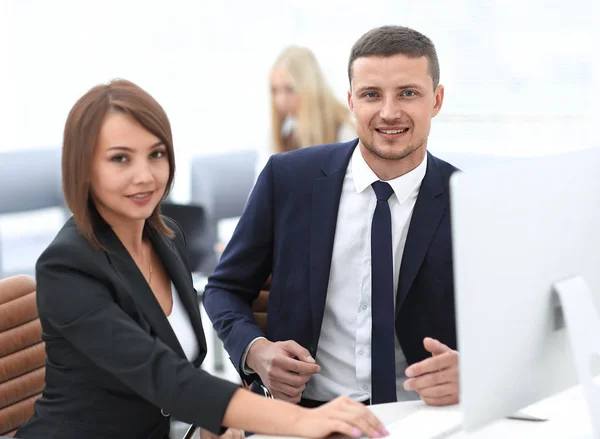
<point>244,367</point>
<point>252,359</point>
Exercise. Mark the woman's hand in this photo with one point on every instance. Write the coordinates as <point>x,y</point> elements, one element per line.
<point>342,415</point>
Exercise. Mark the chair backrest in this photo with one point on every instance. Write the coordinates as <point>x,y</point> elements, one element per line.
<point>199,238</point>
<point>22,353</point>
<point>260,306</point>
<point>222,182</point>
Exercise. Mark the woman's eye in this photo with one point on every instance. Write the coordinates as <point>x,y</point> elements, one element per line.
<point>158,154</point>
<point>118,159</point>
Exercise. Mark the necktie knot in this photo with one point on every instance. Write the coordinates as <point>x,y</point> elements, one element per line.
<point>382,190</point>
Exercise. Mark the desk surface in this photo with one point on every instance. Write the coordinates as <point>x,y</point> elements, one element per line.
<point>566,412</point>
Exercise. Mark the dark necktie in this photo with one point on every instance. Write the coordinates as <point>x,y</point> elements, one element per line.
<point>383,367</point>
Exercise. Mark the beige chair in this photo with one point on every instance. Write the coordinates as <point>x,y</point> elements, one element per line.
<point>22,353</point>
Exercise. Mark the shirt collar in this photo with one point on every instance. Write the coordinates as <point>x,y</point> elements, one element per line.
<point>403,186</point>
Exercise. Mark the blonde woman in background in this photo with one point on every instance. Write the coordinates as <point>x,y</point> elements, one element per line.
<point>304,110</point>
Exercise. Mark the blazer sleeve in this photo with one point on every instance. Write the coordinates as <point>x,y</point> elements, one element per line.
<point>77,303</point>
<point>245,265</point>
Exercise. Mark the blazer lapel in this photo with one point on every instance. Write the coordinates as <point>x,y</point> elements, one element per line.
<point>181,278</point>
<point>139,289</point>
<point>427,214</point>
<point>326,194</point>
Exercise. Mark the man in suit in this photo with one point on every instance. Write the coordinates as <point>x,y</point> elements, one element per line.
<point>357,238</point>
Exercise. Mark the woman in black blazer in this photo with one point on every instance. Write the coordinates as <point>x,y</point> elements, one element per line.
<point>115,297</point>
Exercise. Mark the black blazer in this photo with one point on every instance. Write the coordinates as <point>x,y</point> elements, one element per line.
<point>114,363</point>
<point>288,229</point>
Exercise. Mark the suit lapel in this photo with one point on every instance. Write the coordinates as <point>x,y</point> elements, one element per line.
<point>140,291</point>
<point>326,194</point>
<point>427,214</point>
<point>181,278</point>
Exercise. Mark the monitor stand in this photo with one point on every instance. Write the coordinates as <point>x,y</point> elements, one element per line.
<point>526,415</point>
<point>583,329</point>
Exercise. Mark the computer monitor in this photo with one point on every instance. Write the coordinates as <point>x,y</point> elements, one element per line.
<point>517,231</point>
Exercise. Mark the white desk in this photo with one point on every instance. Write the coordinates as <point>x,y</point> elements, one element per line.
<point>567,413</point>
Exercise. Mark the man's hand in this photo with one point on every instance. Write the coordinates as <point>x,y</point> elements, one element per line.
<point>435,379</point>
<point>230,433</point>
<point>284,367</point>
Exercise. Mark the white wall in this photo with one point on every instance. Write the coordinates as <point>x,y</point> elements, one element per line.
<point>520,76</point>
<point>8,117</point>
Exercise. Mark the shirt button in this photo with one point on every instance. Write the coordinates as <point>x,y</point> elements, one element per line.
<point>365,387</point>
<point>364,307</point>
<point>361,352</point>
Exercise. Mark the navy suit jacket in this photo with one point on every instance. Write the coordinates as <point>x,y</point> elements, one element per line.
<point>288,228</point>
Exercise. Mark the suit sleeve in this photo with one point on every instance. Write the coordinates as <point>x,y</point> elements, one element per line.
<point>80,307</point>
<point>245,265</point>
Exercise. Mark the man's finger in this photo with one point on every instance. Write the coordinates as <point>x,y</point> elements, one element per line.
<point>431,380</point>
<point>433,364</point>
<point>434,346</point>
<point>287,377</point>
<point>297,366</point>
<point>205,434</point>
<point>282,396</point>
<point>298,351</point>
<point>290,391</point>
<point>445,400</point>
<point>233,433</point>
<point>442,391</point>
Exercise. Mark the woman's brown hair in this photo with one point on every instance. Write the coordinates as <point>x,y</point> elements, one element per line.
<point>81,137</point>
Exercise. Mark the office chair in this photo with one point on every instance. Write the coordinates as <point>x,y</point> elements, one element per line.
<point>22,353</point>
<point>222,183</point>
<point>200,243</point>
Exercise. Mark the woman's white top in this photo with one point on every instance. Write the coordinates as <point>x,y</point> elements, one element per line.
<point>182,326</point>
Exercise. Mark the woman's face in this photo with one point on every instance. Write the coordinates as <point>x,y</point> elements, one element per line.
<point>130,170</point>
<point>283,92</point>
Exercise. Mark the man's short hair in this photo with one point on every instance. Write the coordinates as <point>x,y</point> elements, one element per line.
<point>387,41</point>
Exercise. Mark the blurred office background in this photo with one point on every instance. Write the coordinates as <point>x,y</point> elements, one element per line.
<point>522,79</point>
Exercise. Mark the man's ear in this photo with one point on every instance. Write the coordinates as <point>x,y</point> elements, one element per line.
<point>438,99</point>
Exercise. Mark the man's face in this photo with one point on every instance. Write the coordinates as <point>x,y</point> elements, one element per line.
<point>393,101</point>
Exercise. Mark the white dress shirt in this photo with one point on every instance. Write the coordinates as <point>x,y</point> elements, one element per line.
<point>182,327</point>
<point>344,351</point>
